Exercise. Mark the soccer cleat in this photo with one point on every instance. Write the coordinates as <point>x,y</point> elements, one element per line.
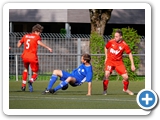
<point>128,91</point>
<point>105,92</point>
<point>45,91</point>
<point>23,88</point>
<point>30,86</point>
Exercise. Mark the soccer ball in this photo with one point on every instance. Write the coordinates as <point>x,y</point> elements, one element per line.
<point>65,87</point>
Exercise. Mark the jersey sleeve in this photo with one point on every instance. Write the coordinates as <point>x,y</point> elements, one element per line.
<point>108,45</point>
<point>22,40</point>
<point>89,75</point>
<point>38,38</point>
<point>127,49</point>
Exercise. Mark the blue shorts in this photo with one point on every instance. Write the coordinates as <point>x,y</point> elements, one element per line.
<point>65,75</point>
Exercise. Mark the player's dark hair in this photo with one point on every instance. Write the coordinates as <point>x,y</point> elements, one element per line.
<point>87,57</point>
<point>37,28</point>
<point>120,32</point>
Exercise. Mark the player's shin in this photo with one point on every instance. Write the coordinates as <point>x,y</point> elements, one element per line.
<point>125,84</point>
<point>24,78</point>
<point>34,77</point>
<point>105,84</point>
<point>52,81</point>
<point>63,83</point>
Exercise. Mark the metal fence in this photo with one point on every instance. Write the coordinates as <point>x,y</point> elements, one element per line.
<point>67,50</point>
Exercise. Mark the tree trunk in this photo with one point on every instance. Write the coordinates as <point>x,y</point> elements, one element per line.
<point>99,18</point>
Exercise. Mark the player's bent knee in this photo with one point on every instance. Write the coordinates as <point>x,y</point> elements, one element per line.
<point>125,77</point>
<point>56,72</point>
<point>25,70</point>
<point>107,76</point>
<point>69,79</point>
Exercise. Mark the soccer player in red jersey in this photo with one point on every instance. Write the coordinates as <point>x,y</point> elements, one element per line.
<point>113,61</point>
<point>29,55</point>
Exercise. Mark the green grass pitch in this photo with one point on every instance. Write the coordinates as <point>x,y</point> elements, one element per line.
<point>74,97</point>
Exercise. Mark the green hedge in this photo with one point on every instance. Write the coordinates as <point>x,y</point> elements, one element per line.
<point>97,47</point>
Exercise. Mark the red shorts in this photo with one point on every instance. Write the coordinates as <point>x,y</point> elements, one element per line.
<point>34,65</point>
<point>115,65</point>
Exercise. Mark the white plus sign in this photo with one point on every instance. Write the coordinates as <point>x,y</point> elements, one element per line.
<point>147,99</point>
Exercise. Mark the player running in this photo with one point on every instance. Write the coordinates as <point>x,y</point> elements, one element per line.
<point>77,77</point>
<point>29,55</point>
<point>113,51</point>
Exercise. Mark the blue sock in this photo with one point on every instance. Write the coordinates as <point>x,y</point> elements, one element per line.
<point>52,81</point>
<point>63,83</point>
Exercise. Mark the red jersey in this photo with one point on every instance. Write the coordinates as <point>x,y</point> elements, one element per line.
<point>30,47</point>
<point>115,50</point>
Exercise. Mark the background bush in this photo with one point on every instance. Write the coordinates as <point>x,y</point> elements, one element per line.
<point>97,47</point>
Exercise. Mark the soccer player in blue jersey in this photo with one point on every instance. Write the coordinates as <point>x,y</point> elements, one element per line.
<point>77,77</point>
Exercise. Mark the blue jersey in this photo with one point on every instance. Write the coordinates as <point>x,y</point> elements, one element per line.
<point>83,73</point>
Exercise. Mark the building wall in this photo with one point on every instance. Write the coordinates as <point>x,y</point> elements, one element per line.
<point>127,16</point>
<point>38,15</point>
<point>119,16</point>
<point>78,16</point>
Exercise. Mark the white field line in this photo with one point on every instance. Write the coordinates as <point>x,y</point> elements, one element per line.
<point>60,98</point>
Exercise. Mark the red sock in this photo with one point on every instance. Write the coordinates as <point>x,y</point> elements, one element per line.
<point>105,84</point>
<point>34,77</point>
<point>125,84</point>
<point>24,78</point>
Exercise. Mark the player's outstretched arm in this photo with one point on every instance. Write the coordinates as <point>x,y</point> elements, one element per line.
<point>45,46</point>
<point>89,88</point>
